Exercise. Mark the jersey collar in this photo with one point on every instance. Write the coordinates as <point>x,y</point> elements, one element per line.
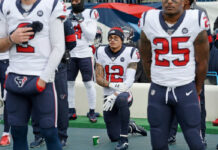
<point>112,55</point>
<point>22,11</point>
<point>170,30</point>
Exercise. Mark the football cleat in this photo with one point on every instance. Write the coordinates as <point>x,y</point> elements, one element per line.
<point>172,140</point>
<point>92,117</point>
<point>37,143</point>
<point>72,114</point>
<point>217,146</point>
<point>134,129</point>
<point>122,144</point>
<point>5,140</point>
<point>63,143</point>
<point>204,141</point>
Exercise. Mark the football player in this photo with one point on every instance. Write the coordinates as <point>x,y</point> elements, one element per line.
<point>35,39</point>
<point>190,4</point>
<point>174,50</point>
<point>62,93</point>
<point>115,71</point>
<point>4,62</point>
<point>85,25</point>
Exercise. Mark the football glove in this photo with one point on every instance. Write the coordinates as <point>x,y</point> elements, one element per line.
<point>121,87</point>
<point>78,17</point>
<point>109,102</point>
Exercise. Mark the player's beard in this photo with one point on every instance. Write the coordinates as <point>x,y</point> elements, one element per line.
<point>78,8</point>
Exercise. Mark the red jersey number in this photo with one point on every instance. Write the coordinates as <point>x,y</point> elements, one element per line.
<point>25,47</point>
<point>117,71</point>
<point>78,31</point>
<point>175,50</point>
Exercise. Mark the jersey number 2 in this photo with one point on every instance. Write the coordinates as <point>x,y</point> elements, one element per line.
<point>25,47</point>
<point>175,50</point>
<point>118,71</point>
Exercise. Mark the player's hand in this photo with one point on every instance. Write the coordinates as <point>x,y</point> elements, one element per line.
<point>21,35</point>
<point>109,102</point>
<point>121,87</point>
<point>41,84</point>
<point>79,17</point>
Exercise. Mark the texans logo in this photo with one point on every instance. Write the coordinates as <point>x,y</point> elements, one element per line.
<point>20,81</point>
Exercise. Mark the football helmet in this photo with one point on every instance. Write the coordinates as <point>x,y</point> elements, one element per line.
<point>128,34</point>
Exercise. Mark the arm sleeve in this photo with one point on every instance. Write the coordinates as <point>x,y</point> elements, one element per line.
<point>135,56</point>
<point>130,72</point>
<point>141,22</point>
<point>58,11</point>
<point>70,37</point>
<point>3,28</point>
<point>89,28</point>
<point>89,25</point>
<point>130,77</point>
<point>58,47</point>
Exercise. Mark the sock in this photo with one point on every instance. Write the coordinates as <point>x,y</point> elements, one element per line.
<point>71,93</point>
<point>91,93</point>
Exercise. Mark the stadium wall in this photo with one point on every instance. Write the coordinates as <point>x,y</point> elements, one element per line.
<point>140,99</point>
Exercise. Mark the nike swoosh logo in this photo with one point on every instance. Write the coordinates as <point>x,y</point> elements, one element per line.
<point>188,93</point>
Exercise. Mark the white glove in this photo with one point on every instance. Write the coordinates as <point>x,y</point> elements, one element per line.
<point>119,87</point>
<point>109,102</point>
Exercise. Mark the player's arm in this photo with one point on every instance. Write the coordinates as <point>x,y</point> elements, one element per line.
<point>201,46</point>
<point>70,37</point>
<point>145,53</point>
<point>58,48</point>
<point>99,72</point>
<point>130,75</point>
<point>89,25</point>
<point>89,28</point>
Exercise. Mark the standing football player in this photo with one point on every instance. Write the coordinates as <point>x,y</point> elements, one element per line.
<point>4,62</point>
<point>35,39</point>
<point>115,71</point>
<point>174,50</point>
<point>85,25</point>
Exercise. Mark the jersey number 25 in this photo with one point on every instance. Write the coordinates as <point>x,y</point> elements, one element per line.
<point>175,50</point>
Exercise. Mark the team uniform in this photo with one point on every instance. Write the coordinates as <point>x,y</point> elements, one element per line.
<point>61,88</point>
<point>173,74</point>
<point>81,57</point>
<point>115,68</point>
<point>4,62</point>
<point>28,62</point>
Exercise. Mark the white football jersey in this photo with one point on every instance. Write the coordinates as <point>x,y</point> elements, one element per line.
<point>31,58</point>
<point>3,31</point>
<point>115,65</point>
<point>173,55</point>
<point>85,33</point>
